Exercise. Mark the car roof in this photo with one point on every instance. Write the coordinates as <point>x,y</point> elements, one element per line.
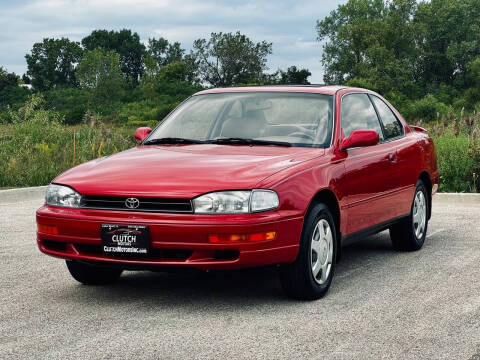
<point>320,89</point>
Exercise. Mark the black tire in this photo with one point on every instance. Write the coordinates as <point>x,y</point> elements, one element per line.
<point>92,275</point>
<point>404,235</point>
<point>297,279</point>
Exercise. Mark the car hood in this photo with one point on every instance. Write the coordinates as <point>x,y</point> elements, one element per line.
<point>183,171</point>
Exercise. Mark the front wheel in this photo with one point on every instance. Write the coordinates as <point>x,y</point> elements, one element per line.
<point>310,276</point>
<point>92,275</point>
<point>410,233</point>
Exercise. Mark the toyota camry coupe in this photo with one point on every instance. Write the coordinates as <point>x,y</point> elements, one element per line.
<point>245,177</point>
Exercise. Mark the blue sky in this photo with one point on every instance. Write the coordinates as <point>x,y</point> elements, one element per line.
<point>288,24</point>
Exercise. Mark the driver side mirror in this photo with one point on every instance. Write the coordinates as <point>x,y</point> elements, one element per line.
<point>141,133</point>
<point>360,138</point>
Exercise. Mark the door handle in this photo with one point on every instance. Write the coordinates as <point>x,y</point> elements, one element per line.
<point>392,157</point>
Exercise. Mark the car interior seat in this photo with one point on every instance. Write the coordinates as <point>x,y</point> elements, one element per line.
<point>251,126</point>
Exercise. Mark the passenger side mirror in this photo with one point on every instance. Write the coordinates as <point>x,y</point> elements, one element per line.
<point>360,138</point>
<point>141,133</point>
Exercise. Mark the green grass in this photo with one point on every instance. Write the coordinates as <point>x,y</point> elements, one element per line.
<point>458,163</point>
<point>457,142</point>
<point>37,146</point>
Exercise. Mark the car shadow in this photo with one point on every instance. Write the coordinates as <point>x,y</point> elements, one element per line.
<point>246,287</point>
<point>371,246</point>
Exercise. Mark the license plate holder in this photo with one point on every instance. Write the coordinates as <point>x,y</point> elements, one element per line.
<point>121,239</point>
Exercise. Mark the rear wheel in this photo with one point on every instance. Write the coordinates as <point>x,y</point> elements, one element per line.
<point>410,233</point>
<point>92,275</point>
<point>310,276</point>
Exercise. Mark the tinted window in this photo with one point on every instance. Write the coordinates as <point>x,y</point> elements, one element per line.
<point>392,126</point>
<point>358,113</point>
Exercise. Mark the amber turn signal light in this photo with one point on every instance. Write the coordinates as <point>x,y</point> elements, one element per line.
<point>47,229</point>
<point>234,238</point>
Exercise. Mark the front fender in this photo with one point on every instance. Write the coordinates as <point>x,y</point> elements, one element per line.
<point>298,186</point>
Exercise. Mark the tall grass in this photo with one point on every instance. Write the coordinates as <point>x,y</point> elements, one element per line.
<point>457,142</point>
<point>36,147</point>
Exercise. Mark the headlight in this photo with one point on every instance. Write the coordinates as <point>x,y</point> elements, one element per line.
<point>236,202</point>
<point>59,195</point>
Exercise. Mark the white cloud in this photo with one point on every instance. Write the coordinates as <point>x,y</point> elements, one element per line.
<point>289,24</point>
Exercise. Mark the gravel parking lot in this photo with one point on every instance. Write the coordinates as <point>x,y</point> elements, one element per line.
<point>382,304</point>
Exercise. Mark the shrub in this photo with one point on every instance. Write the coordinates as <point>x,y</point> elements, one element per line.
<point>72,103</point>
<point>13,96</point>
<point>426,109</point>
<point>458,163</point>
<point>457,142</point>
<point>137,111</point>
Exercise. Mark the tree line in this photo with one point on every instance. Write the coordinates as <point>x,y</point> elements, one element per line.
<point>226,59</point>
<point>423,56</point>
<point>110,67</point>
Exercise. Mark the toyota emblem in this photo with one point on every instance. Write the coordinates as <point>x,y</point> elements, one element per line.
<point>132,203</point>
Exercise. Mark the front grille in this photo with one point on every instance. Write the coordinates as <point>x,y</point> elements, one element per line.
<point>145,204</point>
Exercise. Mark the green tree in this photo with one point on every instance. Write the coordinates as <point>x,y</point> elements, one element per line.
<point>99,72</point>
<point>227,59</point>
<point>26,79</point>
<point>155,77</point>
<point>161,52</point>
<point>123,42</point>
<point>174,72</point>
<point>149,77</point>
<point>370,41</point>
<point>11,94</point>
<point>348,31</point>
<point>401,46</point>
<point>52,63</point>
<point>70,102</point>
<point>295,76</point>
<point>472,94</point>
<point>8,79</point>
<point>449,40</point>
<point>192,69</point>
<point>164,52</point>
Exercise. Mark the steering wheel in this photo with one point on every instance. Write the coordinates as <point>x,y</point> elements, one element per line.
<point>302,135</point>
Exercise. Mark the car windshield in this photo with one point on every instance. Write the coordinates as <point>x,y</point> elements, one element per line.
<point>255,118</point>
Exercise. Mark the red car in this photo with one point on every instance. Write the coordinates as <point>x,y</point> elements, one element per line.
<point>244,177</point>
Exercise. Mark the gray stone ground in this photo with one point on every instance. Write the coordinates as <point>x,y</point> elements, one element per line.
<point>382,304</point>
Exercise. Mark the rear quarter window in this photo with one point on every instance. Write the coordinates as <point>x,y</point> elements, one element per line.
<point>392,126</point>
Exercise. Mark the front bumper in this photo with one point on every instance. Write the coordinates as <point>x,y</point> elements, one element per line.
<point>177,240</point>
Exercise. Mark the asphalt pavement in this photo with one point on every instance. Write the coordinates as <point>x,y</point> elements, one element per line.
<point>382,303</point>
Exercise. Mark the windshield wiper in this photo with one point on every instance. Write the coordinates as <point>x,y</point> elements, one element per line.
<point>242,141</point>
<point>220,141</point>
<point>172,140</point>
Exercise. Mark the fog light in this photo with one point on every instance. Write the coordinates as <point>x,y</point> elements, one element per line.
<point>234,238</point>
<point>47,229</point>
